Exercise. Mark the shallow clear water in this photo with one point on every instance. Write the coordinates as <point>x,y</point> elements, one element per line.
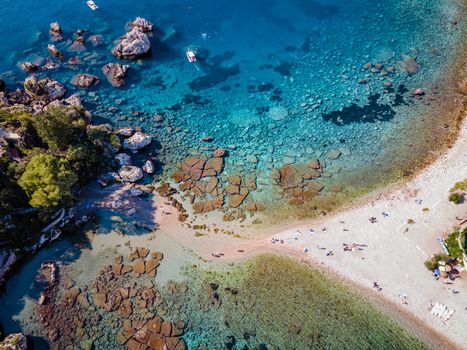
<point>297,60</point>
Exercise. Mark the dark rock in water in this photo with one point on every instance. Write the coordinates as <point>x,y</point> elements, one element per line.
<point>85,80</point>
<point>7,259</point>
<point>29,66</point>
<point>132,45</point>
<point>54,51</point>
<point>55,30</point>
<point>2,86</point>
<point>115,73</point>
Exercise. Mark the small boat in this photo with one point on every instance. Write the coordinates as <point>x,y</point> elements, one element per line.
<point>92,5</point>
<point>190,54</point>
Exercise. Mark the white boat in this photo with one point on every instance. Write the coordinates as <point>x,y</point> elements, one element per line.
<point>191,56</point>
<point>92,5</point>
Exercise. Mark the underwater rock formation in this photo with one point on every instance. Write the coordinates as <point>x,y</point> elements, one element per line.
<point>116,73</point>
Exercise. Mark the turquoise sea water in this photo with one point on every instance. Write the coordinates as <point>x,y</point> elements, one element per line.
<point>300,61</point>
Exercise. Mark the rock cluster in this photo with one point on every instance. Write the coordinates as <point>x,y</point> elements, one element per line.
<point>116,73</point>
<point>119,299</point>
<point>200,180</point>
<point>45,89</point>
<point>130,173</point>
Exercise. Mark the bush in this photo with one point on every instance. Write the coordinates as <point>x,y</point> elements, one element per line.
<point>433,262</point>
<point>48,181</point>
<point>453,245</point>
<point>456,198</point>
<point>60,128</point>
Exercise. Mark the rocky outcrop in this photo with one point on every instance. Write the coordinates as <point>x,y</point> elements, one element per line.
<point>85,80</point>
<point>16,341</point>
<point>54,51</point>
<point>142,24</point>
<point>132,45</point>
<point>130,173</point>
<point>55,31</point>
<point>8,259</point>
<point>137,141</point>
<point>149,167</point>
<point>44,89</point>
<point>116,73</point>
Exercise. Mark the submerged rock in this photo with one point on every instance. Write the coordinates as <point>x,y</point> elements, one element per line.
<point>54,51</point>
<point>408,64</point>
<point>116,73</point>
<point>130,173</point>
<point>132,45</point>
<point>137,141</point>
<point>278,113</point>
<point>85,80</point>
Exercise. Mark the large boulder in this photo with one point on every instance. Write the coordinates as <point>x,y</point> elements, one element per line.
<point>85,80</point>
<point>132,45</point>
<point>142,24</point>
<point>137,141</point>
<point>16,341</point>
<point>44,89</point>
<point>130,173</point>
<point>149,167</point>
<point>116,73</point>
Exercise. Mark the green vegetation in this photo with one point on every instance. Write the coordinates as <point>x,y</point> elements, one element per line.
<point>455,251</point>
<point>47,180</point>
<point>456,198</point>
<point>456,193</point>
<point>433,262</point>
<point>452,241</point>
<point>53,152</point>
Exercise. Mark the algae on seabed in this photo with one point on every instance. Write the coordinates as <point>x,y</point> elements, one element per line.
<point>272,302</point>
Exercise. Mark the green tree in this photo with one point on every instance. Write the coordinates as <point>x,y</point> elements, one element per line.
<point>47,180</point>
<point>59,127</point>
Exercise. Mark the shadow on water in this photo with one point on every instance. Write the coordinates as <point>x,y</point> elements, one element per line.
<point>316,9</point>
<point>371,112</point>
<point>215,73</point>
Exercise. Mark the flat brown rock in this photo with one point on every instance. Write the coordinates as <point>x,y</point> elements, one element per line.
<point>139,267</point>
<point>155,324</point>
<point>126,269</point>
<point>126,308</point>
<point>198,207</point>
<point>134,255</point>
<point>100,299</point>
<point>315,186</point>
<point>117,268</point>
<point>156,342</point>
<point>314,164</point>
<point>157,256</point>
<point>211,184</point>
<point>166,329</point>
<point>135,345</point>
<point>172,342</point>
<point>142,252</point>
<point>216,163</point>
<point>177,176</point>
<point>151,265</point>
<point>236,200</point>
<point>232,189</point>
<point>235,180</point>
